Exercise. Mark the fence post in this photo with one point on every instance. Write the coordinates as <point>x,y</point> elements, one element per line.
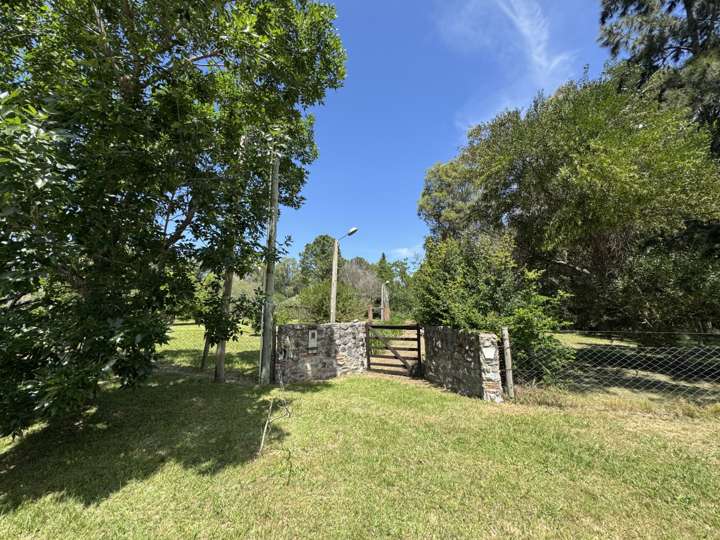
<point>510,385</point>
<point>367,345</point>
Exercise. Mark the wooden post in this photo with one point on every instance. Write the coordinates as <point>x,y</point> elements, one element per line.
<point>510,385</point>
<point>419,351</point>
<point>333,285</point>
<point>367,344</point>
<point>370,312</point>
<point>268,324</point>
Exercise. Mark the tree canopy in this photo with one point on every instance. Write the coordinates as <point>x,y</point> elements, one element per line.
<point>316,259</point>
<point>584,179</point>
<point>677,39</point>
<point>168,115</point>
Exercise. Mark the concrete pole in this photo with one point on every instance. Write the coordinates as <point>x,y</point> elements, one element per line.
<point>382,302</point>
<point>268,324</point>
<point>385,302</point>
<point>333,285</point>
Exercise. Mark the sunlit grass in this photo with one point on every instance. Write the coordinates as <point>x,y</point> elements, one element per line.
<point>580,341</point>
<point>358,457</point>
<point>186,347</point>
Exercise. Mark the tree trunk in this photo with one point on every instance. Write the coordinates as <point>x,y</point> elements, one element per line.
<point>268,324</point>
<point>220,357</point>
<point>206,352</point>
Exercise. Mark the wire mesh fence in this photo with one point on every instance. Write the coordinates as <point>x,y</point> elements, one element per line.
<point>655,365</point>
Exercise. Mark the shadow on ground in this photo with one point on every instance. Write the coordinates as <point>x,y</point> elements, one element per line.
<point>242,363</point>
<point>135,432</point>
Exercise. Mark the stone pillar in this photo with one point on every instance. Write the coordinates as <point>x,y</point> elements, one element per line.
<point>465,362</point>
<point>490,362</point>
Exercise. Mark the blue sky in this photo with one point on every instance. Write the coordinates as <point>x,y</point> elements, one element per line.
<point>420,72</point>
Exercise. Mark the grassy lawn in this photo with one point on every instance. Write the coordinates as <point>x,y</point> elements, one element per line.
<point>681,377</point>
<point>186,347</point>
<point>580,341</point>
<point>358,457</point>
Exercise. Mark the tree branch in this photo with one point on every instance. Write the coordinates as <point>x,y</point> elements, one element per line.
<point>181,227</point>
<point>570,266</point>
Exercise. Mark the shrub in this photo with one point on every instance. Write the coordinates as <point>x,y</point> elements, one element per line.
<point>315,299</point>
<point>475,284</point>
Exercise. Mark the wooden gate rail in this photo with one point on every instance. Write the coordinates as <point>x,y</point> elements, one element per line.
<point>412,364</point>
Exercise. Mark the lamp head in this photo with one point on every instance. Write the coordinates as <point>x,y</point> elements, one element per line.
<point>352,231</point>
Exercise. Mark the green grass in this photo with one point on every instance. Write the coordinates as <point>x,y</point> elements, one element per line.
<point>677,378</point>
<point>186,347</point>
<point>580,341</point>
<point>359,457</point>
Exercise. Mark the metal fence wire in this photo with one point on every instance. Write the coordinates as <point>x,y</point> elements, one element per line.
<point>661,365</point>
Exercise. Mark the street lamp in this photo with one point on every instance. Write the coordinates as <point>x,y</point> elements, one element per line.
<point>333,285</point>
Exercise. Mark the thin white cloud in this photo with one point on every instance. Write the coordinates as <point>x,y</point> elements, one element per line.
<point>530,22</point>
<point>516,34</point>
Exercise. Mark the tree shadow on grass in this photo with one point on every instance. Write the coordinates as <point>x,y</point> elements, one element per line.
<point>243,364</point>
<point>692,374</point>
<point>133,433</point>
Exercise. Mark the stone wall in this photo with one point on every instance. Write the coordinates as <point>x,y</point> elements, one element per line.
<point>465,362</point>
<point>339,349</point>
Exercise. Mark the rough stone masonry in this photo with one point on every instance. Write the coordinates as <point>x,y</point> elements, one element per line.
<point>465,362</point>
<point>319,352</point>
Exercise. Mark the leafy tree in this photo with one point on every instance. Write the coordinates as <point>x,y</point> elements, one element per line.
<point>673,282</point>
<point>210,312</point>
<point>360,275</point>
<point>401,297</point>
<point>584,179</point>
<point>384,270</point>
<point>680,39</point>
<point>316,260</point>
<point>287,277</point>
<point>477,285</point>
<point>171,113</point>
<point>315,299</point>
<point>658,33</point>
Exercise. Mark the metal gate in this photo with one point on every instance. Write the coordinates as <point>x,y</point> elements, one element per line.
<point>394,349</point>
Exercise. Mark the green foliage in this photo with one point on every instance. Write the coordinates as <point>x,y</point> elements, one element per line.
<point>477,285</point>
<point>673,282</point>
<point>62,329</point>
<point>170,113</point>
<point>316,260</point>
<point>401,296</point>
<point>315,299</point>
<point>383,270</point>
<point>679,39</point>
<point>287,277</point>
<point>659,32</point>
<point>584,179</point>
<point>244,309</point>
<point>290,310</point>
